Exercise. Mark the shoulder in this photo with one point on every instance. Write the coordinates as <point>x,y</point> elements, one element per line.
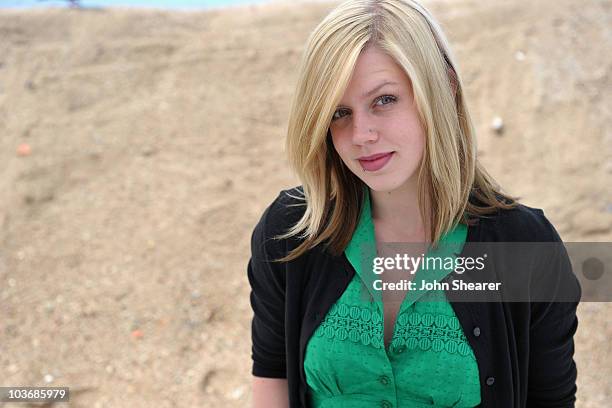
<point>284,211</point>
<point>519,224</point>
<point>281,214</point>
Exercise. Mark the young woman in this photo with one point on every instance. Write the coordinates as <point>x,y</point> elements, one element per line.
<point>381,138</point>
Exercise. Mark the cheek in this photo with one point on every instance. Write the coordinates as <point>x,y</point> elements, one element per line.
<point>413,141</point>
<point>342,146</point>
<point>415,151</point>
<point>419,144</point>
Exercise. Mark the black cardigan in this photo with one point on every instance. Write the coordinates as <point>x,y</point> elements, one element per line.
<point>524,351</point>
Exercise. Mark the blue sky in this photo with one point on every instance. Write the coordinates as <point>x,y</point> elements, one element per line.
<point>174,4</point>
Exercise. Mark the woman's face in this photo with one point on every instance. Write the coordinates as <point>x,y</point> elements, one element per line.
<point>376,128</point>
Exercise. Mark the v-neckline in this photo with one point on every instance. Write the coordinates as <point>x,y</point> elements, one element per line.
<point>362,250</point>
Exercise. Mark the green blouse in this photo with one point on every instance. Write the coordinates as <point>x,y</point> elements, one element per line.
<point>428,363</point>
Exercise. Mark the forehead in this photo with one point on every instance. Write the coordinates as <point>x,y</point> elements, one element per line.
<point>374,66</point>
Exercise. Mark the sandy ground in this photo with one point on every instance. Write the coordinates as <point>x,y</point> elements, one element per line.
<point>156,142</point>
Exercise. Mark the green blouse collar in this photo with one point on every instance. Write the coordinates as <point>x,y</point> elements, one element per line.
<point>361,252</point>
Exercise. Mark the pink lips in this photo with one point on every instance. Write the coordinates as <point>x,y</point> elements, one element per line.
<point>375,162</point>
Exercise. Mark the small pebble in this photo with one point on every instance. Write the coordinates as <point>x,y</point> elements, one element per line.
<point>148,151</point>
<point>519,56</point>
<point>48,378</point>
<point>49,307</point>
<point>137,334</point>
<point>237,393</point>
<point>498,125</point>
<point>24,149</point>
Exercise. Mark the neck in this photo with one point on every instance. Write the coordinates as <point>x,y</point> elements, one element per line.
<point>399,211</point>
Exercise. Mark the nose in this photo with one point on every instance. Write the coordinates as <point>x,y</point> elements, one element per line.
<point>364,131</point>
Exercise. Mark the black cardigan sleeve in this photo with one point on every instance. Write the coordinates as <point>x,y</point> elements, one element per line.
<point>267,297</point>
<point>552,370</point>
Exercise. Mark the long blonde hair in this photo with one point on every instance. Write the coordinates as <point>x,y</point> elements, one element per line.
<point>450,177</point>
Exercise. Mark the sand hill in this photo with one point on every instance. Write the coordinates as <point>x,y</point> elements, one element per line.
<point>154,142</point>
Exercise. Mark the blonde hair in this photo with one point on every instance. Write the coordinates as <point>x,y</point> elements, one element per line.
<point>450,177</point>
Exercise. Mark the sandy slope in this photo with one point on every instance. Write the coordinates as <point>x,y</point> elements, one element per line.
<point>157,142</point>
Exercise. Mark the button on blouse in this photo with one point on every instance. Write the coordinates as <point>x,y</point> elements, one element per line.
<point>428,363</point>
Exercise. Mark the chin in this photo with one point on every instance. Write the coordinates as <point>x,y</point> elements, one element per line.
<point>390,182</point>
<point>382,184</point>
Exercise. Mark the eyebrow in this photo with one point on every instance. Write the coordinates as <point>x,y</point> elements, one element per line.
<point>375,89</point>
<point>365,95</point>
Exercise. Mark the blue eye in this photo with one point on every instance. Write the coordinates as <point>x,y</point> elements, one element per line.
<point>388,98</point>
<point>334,116</point>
